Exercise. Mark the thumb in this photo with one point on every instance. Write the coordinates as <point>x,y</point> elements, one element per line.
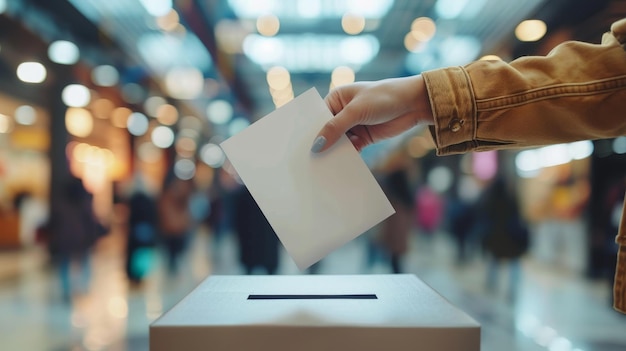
<point>332,131</point>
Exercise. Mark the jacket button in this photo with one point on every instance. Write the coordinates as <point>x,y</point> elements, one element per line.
<point>455,125</point>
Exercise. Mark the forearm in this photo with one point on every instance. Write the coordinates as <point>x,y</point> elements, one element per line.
<point>576,92</point>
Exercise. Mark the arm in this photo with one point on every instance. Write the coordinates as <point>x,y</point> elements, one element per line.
<point>576,92</point>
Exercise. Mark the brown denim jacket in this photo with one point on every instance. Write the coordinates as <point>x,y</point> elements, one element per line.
<point>576,92</point>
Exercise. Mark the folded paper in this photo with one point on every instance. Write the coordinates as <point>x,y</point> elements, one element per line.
<point>316,203</point>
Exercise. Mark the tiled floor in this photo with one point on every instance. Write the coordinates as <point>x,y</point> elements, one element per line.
<point>555,310</point>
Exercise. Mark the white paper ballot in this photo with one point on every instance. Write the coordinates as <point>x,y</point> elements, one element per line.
<point>315,203</point>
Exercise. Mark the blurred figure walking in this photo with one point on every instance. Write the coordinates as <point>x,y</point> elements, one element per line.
<point>142,232</point>
<point>258,243</point>
<point>395,231</point>
<point>73,232</point>
<point>175,220</point>
<point>505,235</point>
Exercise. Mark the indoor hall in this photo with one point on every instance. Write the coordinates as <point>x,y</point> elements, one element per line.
<point>556,308</point>
<point>117,196</point>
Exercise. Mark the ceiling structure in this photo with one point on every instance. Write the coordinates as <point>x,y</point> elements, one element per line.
<point>218,41</point>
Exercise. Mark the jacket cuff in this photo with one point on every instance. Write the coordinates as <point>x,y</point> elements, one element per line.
<point>453,105</point>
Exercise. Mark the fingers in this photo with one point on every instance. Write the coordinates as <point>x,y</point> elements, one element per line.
<point>338,125</point>
<point>333,130</point>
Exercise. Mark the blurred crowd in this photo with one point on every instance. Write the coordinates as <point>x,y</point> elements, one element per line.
<point>486,219</point>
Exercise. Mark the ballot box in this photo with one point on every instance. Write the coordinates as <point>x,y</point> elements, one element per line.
<point>314,312</point>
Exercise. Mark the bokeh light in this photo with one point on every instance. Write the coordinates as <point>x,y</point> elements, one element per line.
<point>531,30</point>
<point>268,25</point>
<point>162,137</point>
<point>105,76</point>
<point>31,72</point>
<point>63,52</point>
<point>137,124</point>
<point>25,115</point>
<point>212,155</point>
<point>219,111</point>
<point>76,95</point>
<point>184,169</point>
<point>78,122</point>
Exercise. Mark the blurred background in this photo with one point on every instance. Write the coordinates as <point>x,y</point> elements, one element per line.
<point>116,200</point>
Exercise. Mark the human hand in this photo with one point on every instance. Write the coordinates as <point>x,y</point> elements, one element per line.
<point>372,111</point>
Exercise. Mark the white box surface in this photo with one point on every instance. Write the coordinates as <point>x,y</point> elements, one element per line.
<point>315,312</point>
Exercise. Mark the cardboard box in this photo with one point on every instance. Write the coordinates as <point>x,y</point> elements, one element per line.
<point>314,312</point>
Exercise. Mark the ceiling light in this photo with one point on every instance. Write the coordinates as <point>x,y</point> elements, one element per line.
<point>263,51</point>
<point>462,9</point>
<point>163,51</point>
<point>310,52</point>
<point>157,7</point>
<point>63,52</point>
<point>423,29</point>
<point>358,50</point>
<point>352,24</point>
<point>31,72</point>
<point>459,50</point>
<point>412,44</point>
<point>169,21</point>
<point>268,25</point>
<point>530,30</point>
<point>76,95</point>
<point>278,78</point>
<point>342,75</point>
<point>310,9</point>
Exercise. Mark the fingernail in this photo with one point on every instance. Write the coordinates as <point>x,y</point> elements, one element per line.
<point>318,144</point>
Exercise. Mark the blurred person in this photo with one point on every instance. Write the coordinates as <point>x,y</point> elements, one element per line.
<point>142,231</point>
<point>394,232</point>
<point>73,233</point>
<point>175,219</point>
<point>460,219</point>
<point>429,207</point>
<point>258,243</point>
<point>504,233</point>
<point>576,92</point>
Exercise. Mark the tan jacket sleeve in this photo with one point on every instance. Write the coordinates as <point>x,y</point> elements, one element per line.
<point>576,92</point>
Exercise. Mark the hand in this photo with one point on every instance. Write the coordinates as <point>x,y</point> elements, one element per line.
<point>372,111</point>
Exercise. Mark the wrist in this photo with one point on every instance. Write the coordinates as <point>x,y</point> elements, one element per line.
<point>421,101</point>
